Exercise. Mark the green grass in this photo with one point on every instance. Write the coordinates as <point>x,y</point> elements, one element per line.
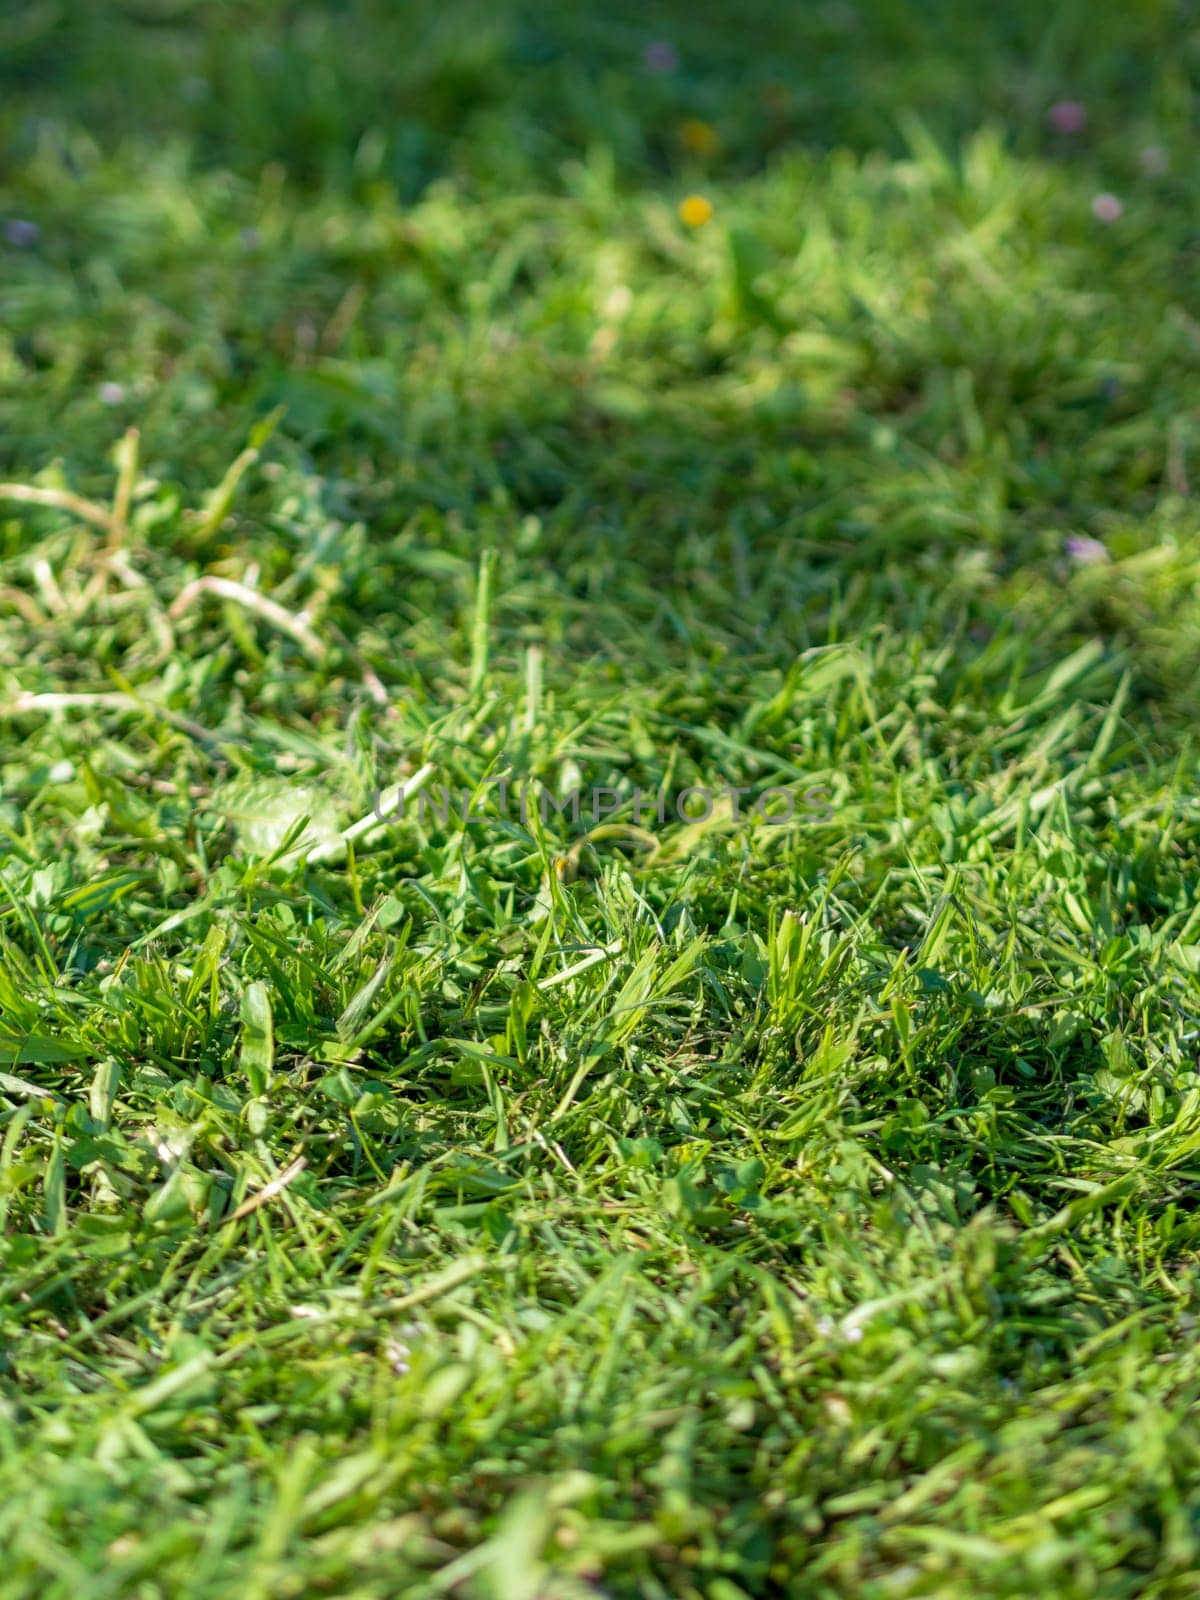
<point>720,1210</point>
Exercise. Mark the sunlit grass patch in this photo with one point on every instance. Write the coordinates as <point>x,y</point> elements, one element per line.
<point>408,1189</point>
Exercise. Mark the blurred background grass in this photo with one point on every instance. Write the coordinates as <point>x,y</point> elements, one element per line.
<point>428,87</point>
<point>448,242</point>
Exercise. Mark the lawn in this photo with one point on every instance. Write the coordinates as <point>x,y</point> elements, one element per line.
<point>440,1156</point>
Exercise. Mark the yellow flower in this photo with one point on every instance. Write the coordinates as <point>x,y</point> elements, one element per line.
<point>698,137</point>
<point>695,210</point>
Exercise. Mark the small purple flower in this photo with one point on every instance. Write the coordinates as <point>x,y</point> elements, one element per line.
<point>1067,116</point>
<point>1085,551</point>
<point>112,394</point>
<point>21,233</point>
<point>660,57</point>
<point>1107,208</point>
<point>1153,160</point>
